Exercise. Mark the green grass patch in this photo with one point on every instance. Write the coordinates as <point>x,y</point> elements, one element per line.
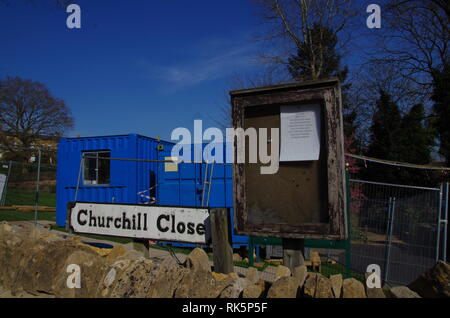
<point>121,240</point>
<point>328,269</point>
<point>13,215</point>
<point>16,196</point>
<point>177,250</point>
<point>261,268</point>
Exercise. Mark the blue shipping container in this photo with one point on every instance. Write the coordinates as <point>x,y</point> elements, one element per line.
<point>105,181</point>
<point>186,187</point>
<point>131,181</point>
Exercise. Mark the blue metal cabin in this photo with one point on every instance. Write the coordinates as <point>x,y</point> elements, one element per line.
<point>121,181</point>
<point>185,186</point>
<point>105,181</point>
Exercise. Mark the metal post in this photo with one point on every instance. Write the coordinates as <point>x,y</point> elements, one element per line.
<point>391,230</point>
<point>37,187</point>
<point>348,243</point>
<point>258,253</point>
<point>444,258</point>
<point>210,184</point>
<point>204,182</point>
<point>251,247</point>
<point>438,240</point>
<point>387,237</point>
<point>79,176</point>
<point>3,198</point>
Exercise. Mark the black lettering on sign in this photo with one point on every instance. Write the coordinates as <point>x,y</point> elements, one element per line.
<point>158,223</point>
<point>126,222</point>
<point>178,227</point>
<point>92,219</point>
<point>109,219</point>
<point>181,227</point>
<point>191,228</point>
<point>81,222</point>
<point>173,223</point>
<point>200,229</point>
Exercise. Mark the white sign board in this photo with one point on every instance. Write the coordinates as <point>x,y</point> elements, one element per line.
<point>189,225</point>
<point>2,185</point>
<point>171,166</point>
<point>300,133</point>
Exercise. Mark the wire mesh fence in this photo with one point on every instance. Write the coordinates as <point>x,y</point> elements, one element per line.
<point>395,227</point>
<point>27,188</point>
<point>400,228</point>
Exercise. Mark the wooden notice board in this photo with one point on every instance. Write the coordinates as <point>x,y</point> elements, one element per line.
<point>304,199</point>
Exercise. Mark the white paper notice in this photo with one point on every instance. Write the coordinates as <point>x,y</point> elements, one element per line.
<point>300,133</point>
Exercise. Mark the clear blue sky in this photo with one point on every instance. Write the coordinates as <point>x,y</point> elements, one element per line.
<point>135,66</point>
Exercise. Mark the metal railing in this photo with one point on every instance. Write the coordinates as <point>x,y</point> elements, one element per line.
<point>397,227</point>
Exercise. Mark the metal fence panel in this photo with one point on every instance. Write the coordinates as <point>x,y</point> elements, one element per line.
<point>29,188</point>
<point>395,227</point>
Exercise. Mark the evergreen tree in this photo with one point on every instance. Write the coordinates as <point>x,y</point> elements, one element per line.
<point>441,109</point>
<point>385,129</point>
<point>403,139</point>
<point>384,144</point>
<point>416,139</point>
<point>317,57</point>
<point>415,143</point>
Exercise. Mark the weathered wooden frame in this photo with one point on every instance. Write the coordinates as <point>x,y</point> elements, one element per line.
<point>329,92</point>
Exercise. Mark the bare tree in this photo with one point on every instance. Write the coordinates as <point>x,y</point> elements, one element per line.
<point>367,83</point>
<point>290,25</point>
<point>28,111</point>
<point>267,76</point>
<point>417,38</point>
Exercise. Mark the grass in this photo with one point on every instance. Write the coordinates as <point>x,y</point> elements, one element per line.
<point>177,250</point>
<point>121,240</point>
<point>328,269</point>
<point>13,215</point>
<point>16,196</point>
<point>259,268</point>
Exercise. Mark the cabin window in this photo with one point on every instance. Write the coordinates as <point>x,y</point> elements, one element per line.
<point>97,168</point>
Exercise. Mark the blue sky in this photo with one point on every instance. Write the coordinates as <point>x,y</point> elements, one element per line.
<point>135,66</point>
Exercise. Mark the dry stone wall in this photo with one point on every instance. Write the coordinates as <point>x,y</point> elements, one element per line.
<point>35,261</point>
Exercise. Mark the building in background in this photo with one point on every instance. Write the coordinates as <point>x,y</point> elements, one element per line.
<point>47,144</point>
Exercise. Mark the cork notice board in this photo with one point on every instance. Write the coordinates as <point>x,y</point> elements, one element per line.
<point>304,199</point>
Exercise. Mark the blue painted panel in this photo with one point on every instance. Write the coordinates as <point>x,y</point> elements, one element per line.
<point>127,178</point>
<point>185,187</point>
